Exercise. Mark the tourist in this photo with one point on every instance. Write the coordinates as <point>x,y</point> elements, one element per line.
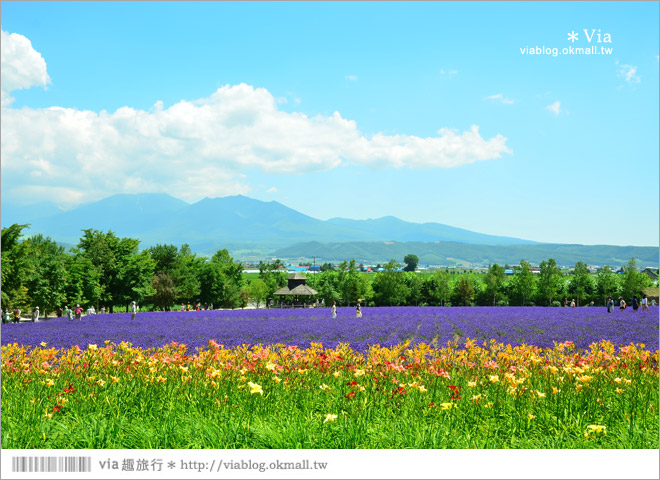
<point>59,311</point>
<point>645,302</point>
<point>133,310</point>
<point>183,307</point>
<point>610,304</point>
<point>573,303</point>
<point>17,315</point>
<point>622,304</point>
<point>35,314</point>
<point>103,310</point>
<point>635,303</point>
<point>78,312</point>
<point>334,309</point>
<point>6,318</point>
<point>69,313</point>
<point>358,311</point>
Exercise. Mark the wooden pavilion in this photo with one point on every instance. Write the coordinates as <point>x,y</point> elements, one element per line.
<point>296,293</point>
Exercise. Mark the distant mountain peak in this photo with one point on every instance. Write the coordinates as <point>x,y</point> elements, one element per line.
<point>239,220</point>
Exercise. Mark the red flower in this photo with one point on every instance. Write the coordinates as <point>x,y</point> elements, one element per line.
<point>57,408</point>
<point>399,390</point>
<point>431,404</point>
<point>453,388</point>
<point>350,395</point>
<point>69,388</point>
<point>351,384</point>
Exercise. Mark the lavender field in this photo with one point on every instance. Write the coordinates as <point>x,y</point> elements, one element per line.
<point>384,326</point>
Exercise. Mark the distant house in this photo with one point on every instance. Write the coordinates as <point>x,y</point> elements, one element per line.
<point>508,271</point>
<point>652,273</point>
<point>296,293</point>
<point>651,293</point>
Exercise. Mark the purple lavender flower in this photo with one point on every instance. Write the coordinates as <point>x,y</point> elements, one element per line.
<point>386,326</point>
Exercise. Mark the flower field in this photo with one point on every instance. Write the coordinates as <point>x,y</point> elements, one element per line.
<point>397,378</point>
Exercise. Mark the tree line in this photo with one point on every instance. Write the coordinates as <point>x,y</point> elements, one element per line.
<point>106,270</point>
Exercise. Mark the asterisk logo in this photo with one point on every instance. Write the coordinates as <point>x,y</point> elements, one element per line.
<point>171,465</point>
<point>572,36</point>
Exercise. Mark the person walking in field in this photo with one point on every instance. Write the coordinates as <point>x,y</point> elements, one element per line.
<point>133,310</point>
<point>610,304</point>
<point>635,303</point>
<point>6,317</point>
<point>78,312</point>
<point>69,313</point>
<point>573,303</point>
<point>35,314</point>
<point>622,304</point>
<point>358,311</point>
<point>17,315</point>
<point>334,309</point>
<point>645,302</point>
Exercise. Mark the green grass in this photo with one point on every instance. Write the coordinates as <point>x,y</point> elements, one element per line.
<point>191,409</point>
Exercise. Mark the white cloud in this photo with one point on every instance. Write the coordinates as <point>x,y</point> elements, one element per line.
<point>448,72</point>
<point>272,190</point>
<point>555,108</point>
<point>501,98</point>
<point>21,66</point>
<point>351,78</point>
<point>628,73</point>
<point>202,148</point>
<point>192,149</point>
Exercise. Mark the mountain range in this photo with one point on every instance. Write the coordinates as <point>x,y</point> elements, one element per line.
<point>214,222</point>
<point>253,229</point>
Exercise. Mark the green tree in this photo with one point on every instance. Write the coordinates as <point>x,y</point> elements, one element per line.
<point>353,286</point>
<point>326,284</point>
<point>464,290</point>
<point>437,289</point>
<point>165,292</point>
<point>494,282</point>
<point>222,281</point>
<point>186,274</point>
<point>581,284</point>
<point>233,272</point>
<point>550,283</point>
<point>411,262</point>
<point>389,285</point>
<point>83,283</point>
<point>125,273</point>
<point>272,275</point>
<point>258,291</point>
<point>415,287</point>
<point>47,278</point>
<point>165,258</point>
<point>632,281</point>
<point>607,284</point>
<point>522,283</point>
<point>14,268</point>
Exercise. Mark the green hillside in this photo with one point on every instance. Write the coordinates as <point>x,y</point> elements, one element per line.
<point>453,253</point>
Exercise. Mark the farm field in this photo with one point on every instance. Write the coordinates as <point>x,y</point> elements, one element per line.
<point>427,377</point>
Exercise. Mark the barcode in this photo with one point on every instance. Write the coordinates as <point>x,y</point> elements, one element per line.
<point>51,464</point>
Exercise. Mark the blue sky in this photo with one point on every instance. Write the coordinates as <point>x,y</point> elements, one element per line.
<point>426,111</point>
